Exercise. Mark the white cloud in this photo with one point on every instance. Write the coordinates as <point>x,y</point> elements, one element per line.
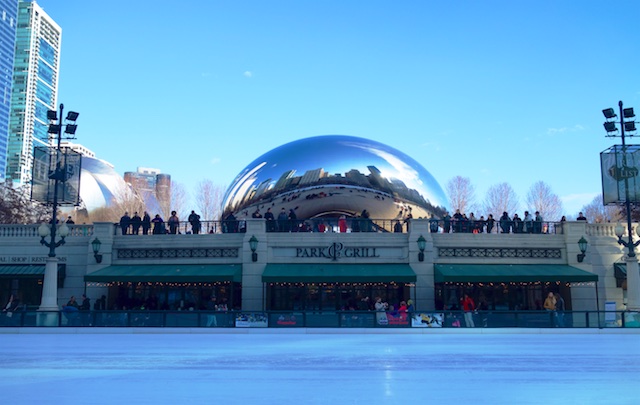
<point>555,131</point>
<point>248,74</point>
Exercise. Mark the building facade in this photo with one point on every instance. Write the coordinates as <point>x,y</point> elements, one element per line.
<point>328,271</point>
<point>35,88</point>
<point>8,24</point>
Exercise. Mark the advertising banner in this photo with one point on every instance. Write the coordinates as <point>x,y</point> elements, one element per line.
<point>620,168</point>
<point>427,320</point>
<point>51,164</point>
<point>252,320</point>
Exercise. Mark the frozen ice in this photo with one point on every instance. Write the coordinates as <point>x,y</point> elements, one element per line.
<point>320,368</point>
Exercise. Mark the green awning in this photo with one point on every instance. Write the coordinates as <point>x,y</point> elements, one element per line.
<point>620,271</point>
<point>338,273</point>
<point>486,273</point>
<point>25,270</point>
<point>167,273</point>
<point>28,270</point>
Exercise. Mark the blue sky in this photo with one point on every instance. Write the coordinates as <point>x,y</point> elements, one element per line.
<point>497,91</point>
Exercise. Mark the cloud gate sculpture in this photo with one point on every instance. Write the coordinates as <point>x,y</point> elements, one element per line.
<point>332,175</point>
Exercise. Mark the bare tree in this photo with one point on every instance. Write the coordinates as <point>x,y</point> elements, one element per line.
<point>16,207</point>
<point>179,197</point>
<point>595,211</point>
<point>209,199</point>
<point>501,198</point>
<point>541,198</point>
<point>462,194</point>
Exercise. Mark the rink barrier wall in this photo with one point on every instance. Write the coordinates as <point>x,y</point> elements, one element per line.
<point>318,331</point>
<point>344,320</point>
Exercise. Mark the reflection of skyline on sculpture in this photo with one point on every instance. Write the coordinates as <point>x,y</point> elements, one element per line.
<point>322,174</point>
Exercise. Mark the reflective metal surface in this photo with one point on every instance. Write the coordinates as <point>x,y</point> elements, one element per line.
<point>332,175</point>
<point>101,186</point>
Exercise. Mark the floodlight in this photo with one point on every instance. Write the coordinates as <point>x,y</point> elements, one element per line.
<point>54,129</point>
<point>72,116</point>
<point>71,129</point>
<point>52,115</point>
<point>630,126</point>
<point>609,113</point>
<point>610,126</point>
<point>628,112</point>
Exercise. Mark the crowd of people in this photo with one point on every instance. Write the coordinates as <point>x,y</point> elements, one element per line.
<point>133,225</point>
<point>288,221</point>
<point>461,223</point>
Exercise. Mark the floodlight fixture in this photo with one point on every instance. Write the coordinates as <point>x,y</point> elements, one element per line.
<point>630,126</point>
<point>610,126</point>
<point>72,116</point>
<point>628,112</point>
<point>52,115</point>
<point>54,128</point>
<point>609,113</point>
<point>71,129</point>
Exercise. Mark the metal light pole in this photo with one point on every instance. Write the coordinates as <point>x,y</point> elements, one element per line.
<point>59,174</point>
<point>633,275</point>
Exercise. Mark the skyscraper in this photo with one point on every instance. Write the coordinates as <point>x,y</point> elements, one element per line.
<point>35,88</point>
<point>8,23</point>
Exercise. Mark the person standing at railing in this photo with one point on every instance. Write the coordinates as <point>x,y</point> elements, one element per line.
<point>528,223</point>
<point>581,217</point>
<point>381,314</point>
<point>10,308</point>
<point>537,225</point>
<point>125,221</point>
<point>457,221</point>
<point>212,307</point>
<point>270,219</point>
<point>158,225</point>
<point>433,224</point>
<point>505,222</point>
<point>559,310</point>
<point>283,220</point>
<point>446,222</point>
<point>146,223</point>
<point>173,222</point>
<point>550,306</point>
<point>490,222</point>
<point>194,220</point>
<point>136,222</point>
<point>468,306</point>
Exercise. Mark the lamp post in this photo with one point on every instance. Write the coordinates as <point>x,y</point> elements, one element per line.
<point>633,276</point>
<point>582,245</point>
<point>253,245</point>
<point>58,174</point>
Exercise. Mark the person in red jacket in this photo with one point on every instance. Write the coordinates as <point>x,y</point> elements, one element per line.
<point>468,306</point>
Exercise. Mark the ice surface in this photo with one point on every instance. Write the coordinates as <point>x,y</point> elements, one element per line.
<point>333,369</point>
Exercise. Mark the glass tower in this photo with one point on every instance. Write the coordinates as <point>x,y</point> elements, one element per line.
<point>35,88</point>
<point>8,15</point>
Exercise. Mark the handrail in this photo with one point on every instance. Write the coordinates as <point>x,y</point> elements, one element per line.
<point>334,319</point>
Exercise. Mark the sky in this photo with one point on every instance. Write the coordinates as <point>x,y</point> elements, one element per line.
<point>495,91</point>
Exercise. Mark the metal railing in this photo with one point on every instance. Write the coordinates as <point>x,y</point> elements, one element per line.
<point>319,319</point>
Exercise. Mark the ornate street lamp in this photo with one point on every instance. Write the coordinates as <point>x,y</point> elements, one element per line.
<point>59,174</point>
<point>95,245</point>
<point>633,276</point>
<point>253,245</point>
<point>582,245</point>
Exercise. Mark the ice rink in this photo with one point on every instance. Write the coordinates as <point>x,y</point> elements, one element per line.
<point>320,368</point>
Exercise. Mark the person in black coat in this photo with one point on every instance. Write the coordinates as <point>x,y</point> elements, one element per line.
<point>146,223</point>
<point>136,222</point>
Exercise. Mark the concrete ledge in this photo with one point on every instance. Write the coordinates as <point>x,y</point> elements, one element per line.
<point>320,331</point>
